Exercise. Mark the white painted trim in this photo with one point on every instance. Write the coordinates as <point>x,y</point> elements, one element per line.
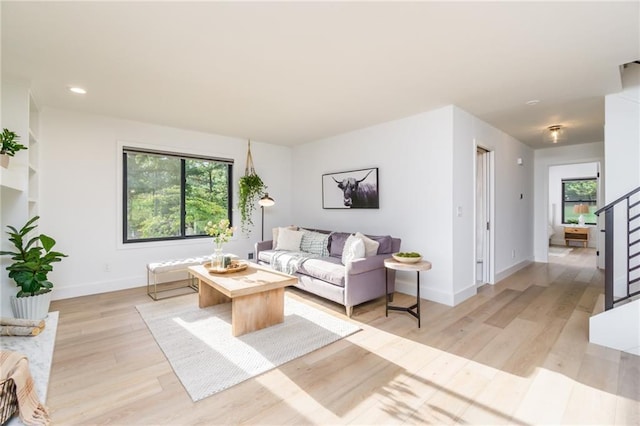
<point>465,294</point>
<point>512,270</point>
<point>98,287</point>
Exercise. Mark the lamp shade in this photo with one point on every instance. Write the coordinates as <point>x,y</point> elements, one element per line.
<point>266,201</point>
<point>581,209</point>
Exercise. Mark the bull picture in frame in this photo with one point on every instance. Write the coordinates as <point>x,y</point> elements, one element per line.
<point>355,189</point>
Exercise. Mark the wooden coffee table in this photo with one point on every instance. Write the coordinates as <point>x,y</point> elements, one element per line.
<point>256,295</point>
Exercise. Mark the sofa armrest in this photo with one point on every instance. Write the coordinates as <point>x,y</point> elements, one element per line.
<point>358,266</point>
<point>261,246</point>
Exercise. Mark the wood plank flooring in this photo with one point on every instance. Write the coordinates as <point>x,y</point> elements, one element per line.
<point>516,353</point>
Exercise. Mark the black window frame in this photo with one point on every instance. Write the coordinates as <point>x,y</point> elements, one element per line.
<point>588,202</point>
<point>182,157</point>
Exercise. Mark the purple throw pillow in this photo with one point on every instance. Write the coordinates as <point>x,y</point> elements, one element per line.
<point>336,243</point>
<point>386,244</point>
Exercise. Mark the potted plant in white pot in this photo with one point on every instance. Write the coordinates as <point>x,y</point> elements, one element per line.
<point>32,261</point>
<point>9,147</point>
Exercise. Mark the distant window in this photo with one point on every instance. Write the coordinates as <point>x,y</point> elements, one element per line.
<point>171,196</point>
<point>579,197</point>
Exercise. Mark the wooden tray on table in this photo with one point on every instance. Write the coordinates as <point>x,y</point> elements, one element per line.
<point>235,266</point>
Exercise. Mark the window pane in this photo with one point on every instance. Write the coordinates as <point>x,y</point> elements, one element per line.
<point>206,194</point>
<point>153,196</point>
<point>571,212</point>
<point>579,194</point>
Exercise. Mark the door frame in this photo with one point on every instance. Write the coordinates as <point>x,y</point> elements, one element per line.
<point>489,205</point>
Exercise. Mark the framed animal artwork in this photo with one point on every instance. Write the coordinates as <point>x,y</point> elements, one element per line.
<point>355,189</point>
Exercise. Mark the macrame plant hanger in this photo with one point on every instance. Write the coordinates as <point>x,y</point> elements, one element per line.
<point>249,169</point>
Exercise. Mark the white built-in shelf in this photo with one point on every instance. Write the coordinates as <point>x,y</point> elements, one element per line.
<point>32,137</point>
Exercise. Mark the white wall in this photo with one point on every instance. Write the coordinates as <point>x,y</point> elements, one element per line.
<point>545,158</point>
<point>513,194</point>
<point>556,175</point>
<point>426,170</point>
<point>622,136</point>
<point>81,196</point>
<point>622,153</point>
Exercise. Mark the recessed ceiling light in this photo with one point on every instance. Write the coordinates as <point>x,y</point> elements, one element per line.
<point>78,90</point>
<point>533,102</point>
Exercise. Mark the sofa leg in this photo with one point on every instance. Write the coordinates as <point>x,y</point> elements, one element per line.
<point>390,297</point>
<point>349,310</point>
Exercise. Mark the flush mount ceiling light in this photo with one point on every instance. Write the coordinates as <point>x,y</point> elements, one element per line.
<point>78,90</point>
<point>533,102</point>
<point>555,133</point>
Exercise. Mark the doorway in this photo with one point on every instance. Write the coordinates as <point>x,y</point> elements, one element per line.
<point>574,194</point>
<point>484,217</point>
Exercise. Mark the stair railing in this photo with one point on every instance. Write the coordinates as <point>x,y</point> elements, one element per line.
<point>631,250</point>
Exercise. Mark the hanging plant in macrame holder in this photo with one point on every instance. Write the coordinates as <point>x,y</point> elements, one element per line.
<point>251,190</point>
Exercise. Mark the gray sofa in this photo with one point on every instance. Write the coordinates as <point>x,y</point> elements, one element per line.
<point>359,281</point>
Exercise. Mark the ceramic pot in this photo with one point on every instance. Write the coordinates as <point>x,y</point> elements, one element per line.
<point>31,307</point>
<point>4,160</point>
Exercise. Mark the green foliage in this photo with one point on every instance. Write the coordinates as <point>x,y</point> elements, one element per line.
<point>580,190</point>
<point>251,190</point>
<point>154,195</point>
<point>32,262</point>
<point>10,144</point>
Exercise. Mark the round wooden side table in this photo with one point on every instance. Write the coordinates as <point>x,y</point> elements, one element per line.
<point>414,309</point>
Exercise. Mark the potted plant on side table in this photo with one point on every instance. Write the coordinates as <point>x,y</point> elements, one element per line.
<point>32,261</point>
<point>10,146</point>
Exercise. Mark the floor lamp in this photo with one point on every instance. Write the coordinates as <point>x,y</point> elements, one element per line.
<point>265,201</point>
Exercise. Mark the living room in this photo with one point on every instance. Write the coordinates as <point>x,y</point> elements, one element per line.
<point>425,156</point>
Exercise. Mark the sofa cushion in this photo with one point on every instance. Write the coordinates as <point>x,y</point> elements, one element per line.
<point>314,242</point>
<point>386,243</point>
<point>336,243</point>
<point>370,246</point>
<point>276,231</point>
<point>353,249</point>
<point>327,269</point>
<point>289,239</point>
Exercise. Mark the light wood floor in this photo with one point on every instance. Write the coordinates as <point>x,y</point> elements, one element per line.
<point>517,353</point>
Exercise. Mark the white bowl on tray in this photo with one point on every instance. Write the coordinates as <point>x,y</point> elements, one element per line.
<point>403,259</point>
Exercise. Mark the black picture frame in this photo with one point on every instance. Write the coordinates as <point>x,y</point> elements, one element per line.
<point>353,189</point>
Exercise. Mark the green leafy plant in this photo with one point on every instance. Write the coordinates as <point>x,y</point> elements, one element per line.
<point>32,262</point>
<point>10,144</point>
<point>251,189</point>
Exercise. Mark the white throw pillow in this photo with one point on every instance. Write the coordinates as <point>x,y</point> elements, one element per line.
<point>276,231</point>
<point>353,249</point>
<point>289,239</point>
<point>370,246</point>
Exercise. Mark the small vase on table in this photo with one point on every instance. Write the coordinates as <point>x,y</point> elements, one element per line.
<point>217,258</point>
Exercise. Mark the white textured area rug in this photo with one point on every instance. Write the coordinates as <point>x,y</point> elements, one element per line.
<point>207,358</point>
<point>559,251</point>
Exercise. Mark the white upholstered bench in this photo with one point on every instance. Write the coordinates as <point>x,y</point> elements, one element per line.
<point>175,265</point>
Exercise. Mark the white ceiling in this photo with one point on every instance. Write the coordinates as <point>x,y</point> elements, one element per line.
<point>290,73</point>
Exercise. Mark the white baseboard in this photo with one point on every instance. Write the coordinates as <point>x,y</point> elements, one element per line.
<point>464,294</point>
<point>512,270</point>
<point>60,292</point>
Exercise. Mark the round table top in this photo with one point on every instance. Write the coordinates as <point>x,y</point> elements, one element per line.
<point>391,263</point>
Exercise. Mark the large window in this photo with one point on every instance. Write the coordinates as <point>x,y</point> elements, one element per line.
<point>579,197</point>
<point>173,196</point>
